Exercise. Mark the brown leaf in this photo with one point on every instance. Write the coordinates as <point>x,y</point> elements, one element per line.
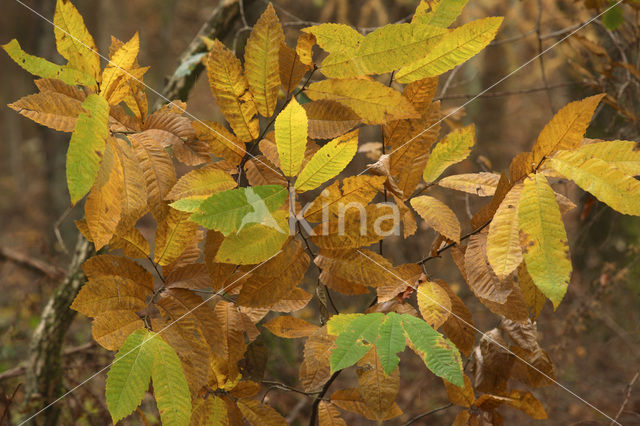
<point>173,235</point>
<point>314,369</point>
<point>291,69</point>
<point>259,414</point>
<point>521,400</point>
<point>350,399</point>
<point>463,396</point>
<point>329,415</point>
<point>492,363</point>
<point>524,334</point>
<point>459,327</point>
<point>378,390</point>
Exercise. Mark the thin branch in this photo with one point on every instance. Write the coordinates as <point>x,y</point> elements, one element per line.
<point>37,265</point>
<point>627,396</point>
<point>316,402</point>
<point>541,58</point>
<point>506,93</point>
<point>448,246</point>
<point>420,416</point>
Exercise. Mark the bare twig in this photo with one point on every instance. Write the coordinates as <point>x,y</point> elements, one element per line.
<point>316,402</point>
<point>627,396</point>
<point>37,265</point>
<point>448,246</point>
<point>423,415</point>
<point>541,58</point>
<point>507,93</point>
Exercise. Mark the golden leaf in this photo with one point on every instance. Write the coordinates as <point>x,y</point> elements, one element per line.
<point>461,396</point>
<point>231,91</point>
<point>350,399</point>
<point>197,185</point>
<point>362,267</point>
<point>275,278</point>
<point>259,414</point>
<point>534,298</point>
<point>566,128</point>
<point>111,328</point>
<point>482,184</point>
<point>434,303</point>
<point>290,327</point>
<point>73,40</point>
<point>623,155</point>
<point>374,102</point>
<point>329,415</point>
<point>521,400</point>
<point>329,119</point>
<point>222,143</point>
<point>353,190</point>
<point>119,70</point>
<point>261,61</point>
<point>134,195</point>
<point>438,216</point>
<point>304,48</point>
<point>52,109</point>
<point>459,327</point>
<point>173,236</point>
<point>103,208</point>
<point>356,228</point>
<point>503,241</point>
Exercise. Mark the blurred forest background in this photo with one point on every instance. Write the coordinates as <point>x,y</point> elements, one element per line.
<point>594,336</point>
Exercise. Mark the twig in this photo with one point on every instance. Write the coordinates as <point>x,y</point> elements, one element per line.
<point>323,391</point>
<point>420,416</point>
<point>448,246</point>
<point>541,58</point>
<point>506,93</point>
<point>627,396</point>
<point>37,265</point>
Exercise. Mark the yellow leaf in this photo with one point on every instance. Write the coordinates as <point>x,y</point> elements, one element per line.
<point>482,184</point>
<point>434,303</point>
<point>503,242</point>
<point>52,109</point>
<point>566,128</point>
<point>304,48</point>
<point>377,389</point>
<point>291,68</point>
<point>261,61</point>
<point>362,267</point>
<point>329,119</point>
<point>119,70</point>
<point>73,40</point>
<point>173,235</point>
<point>438,216</point>
<point>290,327</point>
<point>197,185</point>
<point>543,238</point>
<point>624,155</point>
<point>291,137</point>
<point>455,148</point>
<point>132,243</point>
<point>103,208</point>
<point>231,91</point>
<point>606,182</point>
<point>336,197</point>
<point>454,48</point>
<point>339,39</point>
<point>462,396</point>
<point>442,12</point>
<point>383,50</point>
<point>374,102</point>
<point>158,171</point>
<point>330,160</point>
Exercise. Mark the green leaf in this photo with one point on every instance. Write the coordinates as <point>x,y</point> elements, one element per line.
<point>456,47</point>
<point>255,243</point>
<point>330,160</point>
<point>390,342</point>
<point>169,384</point>
<point>543,238</point>
<point>358,332</point>
<point>291,137</point>
<point>355,340</point>
<point>128,378</point>
<point>613,18</point>
<point>455,148</point>
<point>230,211</point>
<point>86,146</point>
<point>439,354</point>
<point>45,69</point>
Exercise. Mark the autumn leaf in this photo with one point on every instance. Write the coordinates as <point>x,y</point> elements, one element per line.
<point>453,149</point>
<point>482,184</point>
<point>442,12</point>
<point>73,40</point>
<point>503,241</point>
<point>291,137</point>
<point>438,216</point>
<point>290,327</point>
<point>543,238</point>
